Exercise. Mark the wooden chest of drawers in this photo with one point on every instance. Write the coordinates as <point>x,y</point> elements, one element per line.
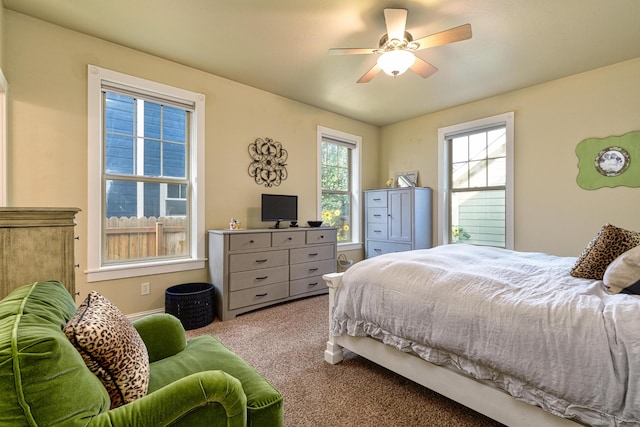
<point>252,269</point>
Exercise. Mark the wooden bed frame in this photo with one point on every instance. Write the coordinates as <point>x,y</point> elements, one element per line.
<point>480,396</point>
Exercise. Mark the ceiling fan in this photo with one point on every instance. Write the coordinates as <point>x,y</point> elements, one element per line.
<point>396,47</point>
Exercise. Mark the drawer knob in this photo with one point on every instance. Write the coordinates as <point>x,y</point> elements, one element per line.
<point>289,238</point>
<point>322,237</point>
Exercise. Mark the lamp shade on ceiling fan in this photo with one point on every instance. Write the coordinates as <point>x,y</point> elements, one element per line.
<point>396,62</point>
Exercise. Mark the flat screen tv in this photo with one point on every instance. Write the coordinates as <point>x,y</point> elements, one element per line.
<point>279,207</point>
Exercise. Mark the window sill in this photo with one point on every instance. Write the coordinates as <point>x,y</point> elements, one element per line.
<point>352,246</point>
<point>125,271</point>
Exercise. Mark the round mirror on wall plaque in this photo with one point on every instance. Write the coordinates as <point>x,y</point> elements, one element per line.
<point>612,161</point>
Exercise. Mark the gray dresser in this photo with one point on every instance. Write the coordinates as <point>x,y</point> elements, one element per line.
<point>397,219</point>
<point>252,269</point>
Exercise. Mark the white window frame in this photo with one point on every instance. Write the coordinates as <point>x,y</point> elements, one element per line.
<point>4,88</point>
<point>96,270</point>
<point>356,179</point>
<point>444,164</point>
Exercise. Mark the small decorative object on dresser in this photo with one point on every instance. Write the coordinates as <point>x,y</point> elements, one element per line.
<point>398,219</point>
<point>252,269</point>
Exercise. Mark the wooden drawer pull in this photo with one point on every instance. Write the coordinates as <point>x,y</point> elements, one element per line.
<point>262,278</point>
<point>262,260</point>
<point>315,254</point>
<point>313,269</point>
<point>262,295</point>
<point>377,200</point>
<point>312,284</point>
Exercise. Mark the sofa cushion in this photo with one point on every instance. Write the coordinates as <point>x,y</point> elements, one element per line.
<point>111,348</point>
<point>203,353</point>
<point>606,246</point>
<point>43,380</point>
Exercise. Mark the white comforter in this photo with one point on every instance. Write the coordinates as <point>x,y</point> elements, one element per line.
<point>516,319</point>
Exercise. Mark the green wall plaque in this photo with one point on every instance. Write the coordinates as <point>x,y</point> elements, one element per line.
<point>609,162</point>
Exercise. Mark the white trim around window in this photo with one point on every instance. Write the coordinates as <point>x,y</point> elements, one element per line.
<point>96,271</point>
<point>506,119</point>
<point>4,88</point>
<point>356,179</point>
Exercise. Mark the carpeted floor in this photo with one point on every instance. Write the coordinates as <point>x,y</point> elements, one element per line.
<point>285,343</point>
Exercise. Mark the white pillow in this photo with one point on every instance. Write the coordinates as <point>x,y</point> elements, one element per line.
<point>623,274</point>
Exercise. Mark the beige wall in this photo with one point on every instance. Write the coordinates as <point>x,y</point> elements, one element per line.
<point>552,213</point>
<point>46,67</point>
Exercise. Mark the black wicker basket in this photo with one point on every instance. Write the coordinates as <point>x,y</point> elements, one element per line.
<point>192,303</point>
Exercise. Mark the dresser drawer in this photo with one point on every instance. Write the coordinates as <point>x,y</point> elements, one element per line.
<point>376,199</point>
<point>256,260</point>
<point>308,269</point>
<point>287,238</point>
<point>310,284</point>
<point>315,253</point>
<point>321,236</point>
<point>377,215</point>
<point>253,278</point>
<point>249,241</point>
<point>377,230</point>
<point>258,295</point>
<point>380,248</point>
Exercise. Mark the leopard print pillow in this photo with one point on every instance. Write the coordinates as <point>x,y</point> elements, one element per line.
<point>111,348</point>
<point>606,246</point>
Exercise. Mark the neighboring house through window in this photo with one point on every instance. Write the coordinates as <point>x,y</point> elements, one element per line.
<point>476,182</point>
<point>145,177</point>
<point>339,183</point>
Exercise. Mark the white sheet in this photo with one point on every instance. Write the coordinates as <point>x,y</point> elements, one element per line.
<point>516,319</point>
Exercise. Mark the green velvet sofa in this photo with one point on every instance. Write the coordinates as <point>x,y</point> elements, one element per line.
<point>45,382</point>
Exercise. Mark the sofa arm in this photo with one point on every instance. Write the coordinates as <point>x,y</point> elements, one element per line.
<point>163,335</point>
<point>180,403</point>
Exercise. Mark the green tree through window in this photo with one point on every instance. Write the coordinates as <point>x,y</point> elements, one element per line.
<point>336,188</point>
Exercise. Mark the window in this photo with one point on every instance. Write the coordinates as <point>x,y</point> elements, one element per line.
<point>339,156</point>
<point>476,182</point>
<point>146,156</point>
<point>4,86</point>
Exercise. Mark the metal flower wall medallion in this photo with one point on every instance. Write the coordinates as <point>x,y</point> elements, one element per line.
<point>269,161</point>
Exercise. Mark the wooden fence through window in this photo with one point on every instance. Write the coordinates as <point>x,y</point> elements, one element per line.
<point>131,238</point>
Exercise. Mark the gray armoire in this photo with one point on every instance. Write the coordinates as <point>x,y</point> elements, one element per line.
<point>397,219</point>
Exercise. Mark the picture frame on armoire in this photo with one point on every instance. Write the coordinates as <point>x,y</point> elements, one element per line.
<point>406,179</point>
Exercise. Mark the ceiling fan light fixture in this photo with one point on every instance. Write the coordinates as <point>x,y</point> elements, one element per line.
<point>396,62</point>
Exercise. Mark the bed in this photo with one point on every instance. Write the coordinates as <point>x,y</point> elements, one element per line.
<point>509,334</point>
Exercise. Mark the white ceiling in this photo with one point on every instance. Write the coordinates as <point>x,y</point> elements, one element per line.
<point>280,46</point>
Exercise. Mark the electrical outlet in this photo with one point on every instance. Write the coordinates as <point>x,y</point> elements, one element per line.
<point>146,288</point>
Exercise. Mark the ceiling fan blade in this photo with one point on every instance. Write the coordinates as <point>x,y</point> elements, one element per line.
<point>350,51</point>
<point>396,20</point>
<point>423,68</point>
<point>366,78</point>
<point>463,32</point>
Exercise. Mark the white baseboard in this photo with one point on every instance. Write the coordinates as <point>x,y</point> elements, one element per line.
<point>140,315</point>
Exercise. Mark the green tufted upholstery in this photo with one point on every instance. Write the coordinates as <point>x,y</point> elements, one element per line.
<point>44,381</point>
